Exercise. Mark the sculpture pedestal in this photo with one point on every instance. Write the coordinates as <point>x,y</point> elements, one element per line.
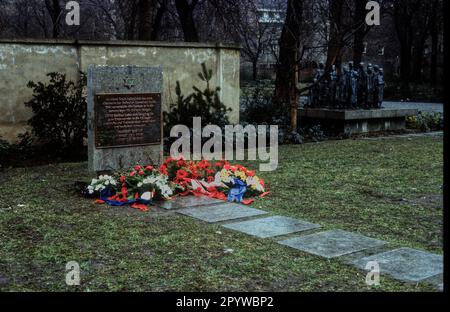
<point>347,121</point>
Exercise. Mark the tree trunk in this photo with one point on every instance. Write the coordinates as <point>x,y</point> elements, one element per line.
<point>54,9</point>
<point>145,9</point>
<point>335,43</point>
<point>358,39</point>
<point>158,20</point>
<point>255,69</point>
<point>405,65</point>
<point>420,36</point>
<point>418,59</point>
<point>286,93</point>
<point>185,13</point>
<point>434,29</point>
<point>403,26</point>
<point>131,24</point>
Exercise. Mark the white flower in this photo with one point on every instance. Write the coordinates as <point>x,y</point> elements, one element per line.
<point>139,184</point>
<point>146,196</point>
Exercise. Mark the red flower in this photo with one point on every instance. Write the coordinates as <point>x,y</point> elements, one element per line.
<point>251,173</point>
<point>211,189</point>
<point>124,192</point>
<point>132,173</point>
<point>122,179</point>
<point>163,170</point>
<point>149,168</point>
<point>181,174</point>
<point>194,174</point>
<point>141,172</point>
<point>137,168</point>
<point>227,167</point>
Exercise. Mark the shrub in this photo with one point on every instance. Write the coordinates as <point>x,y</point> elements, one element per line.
<point>59,113</point>
<point>201,103</point>
<point>315,133</point>
<point>257,106</point>
<point>5,149</point>
<point>13,154</point>
<point>426,122</point>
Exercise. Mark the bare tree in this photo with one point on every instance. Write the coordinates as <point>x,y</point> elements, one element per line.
<point>286,92</point>
<point>54,9</point>
<point>404,13</point>
<point>185,12</point>
<point>435,30</point>
<point>361,30</point>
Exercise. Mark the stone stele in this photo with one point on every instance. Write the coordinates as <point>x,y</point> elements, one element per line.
<point>124,116</point>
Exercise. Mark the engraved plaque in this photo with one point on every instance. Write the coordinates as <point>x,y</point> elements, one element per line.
<point>126,120</point>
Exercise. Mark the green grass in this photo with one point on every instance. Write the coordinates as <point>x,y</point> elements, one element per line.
<point>375,188</point>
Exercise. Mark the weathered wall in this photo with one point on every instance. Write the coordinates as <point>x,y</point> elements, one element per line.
<point>22,61</point>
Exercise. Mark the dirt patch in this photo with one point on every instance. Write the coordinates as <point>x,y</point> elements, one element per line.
<point>18,228</point>
<point>433,201</point>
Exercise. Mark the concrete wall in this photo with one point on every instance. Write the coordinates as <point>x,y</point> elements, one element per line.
<point>25,60</point>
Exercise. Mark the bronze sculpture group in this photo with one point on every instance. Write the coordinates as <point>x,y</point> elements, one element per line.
<point>353,88</point>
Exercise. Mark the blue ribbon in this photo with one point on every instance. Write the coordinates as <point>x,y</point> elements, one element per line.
<point>237,192</point>
<point>108,192</point>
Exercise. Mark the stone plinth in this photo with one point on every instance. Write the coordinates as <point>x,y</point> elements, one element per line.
<point>357,121</point>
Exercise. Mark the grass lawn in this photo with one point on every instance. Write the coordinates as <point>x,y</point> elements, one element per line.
<point>386,189</point>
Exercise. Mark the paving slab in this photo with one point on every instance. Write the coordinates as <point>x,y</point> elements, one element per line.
<point>405,264</point>
<point>188,201</point>
<point>221,212</point>
<point>271,226</point>
<point>332,244</point>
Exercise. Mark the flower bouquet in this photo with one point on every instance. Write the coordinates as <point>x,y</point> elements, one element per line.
<point>220,180</point>
<point>141,185</point>
<point>137,187</point>
<point>241,182</point>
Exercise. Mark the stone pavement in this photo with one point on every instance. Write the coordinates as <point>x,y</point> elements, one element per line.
<point>271,226</point>
<point>222,212</point>
<point>332,244</point>
<point>421,107</point>
<point>188,201</point>
<point>404,264</point>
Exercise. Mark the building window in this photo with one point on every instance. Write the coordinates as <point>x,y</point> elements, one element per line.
<point>365,48</point>
<point>381,51</point>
